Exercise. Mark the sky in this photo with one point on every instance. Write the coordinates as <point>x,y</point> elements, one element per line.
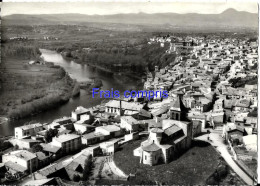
<point>105,8</point>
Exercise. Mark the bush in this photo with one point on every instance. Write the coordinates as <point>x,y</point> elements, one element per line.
<point>222,171</point>
<point>211,181</point>
<point>76,178</point>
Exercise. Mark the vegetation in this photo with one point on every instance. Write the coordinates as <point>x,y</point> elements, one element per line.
<point>241,82</point>
<point>30,89</point>
<point>36,148</point>
<point>219,174</point>
<point>87,168</point>
<point>23,50</point>
<point>50,134</point>
<point>76,178</point>
<point>133,58</point>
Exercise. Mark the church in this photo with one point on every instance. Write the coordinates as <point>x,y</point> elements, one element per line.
<point>168,140</point>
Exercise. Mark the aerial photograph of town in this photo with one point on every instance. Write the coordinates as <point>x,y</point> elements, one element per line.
<point>129,93</point>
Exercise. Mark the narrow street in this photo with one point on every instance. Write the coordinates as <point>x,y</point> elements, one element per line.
<point>217,142</point>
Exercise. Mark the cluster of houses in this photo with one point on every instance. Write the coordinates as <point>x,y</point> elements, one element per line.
<point>50,38</point>
<point>202,78</point>
<point>18,38</point>
<point>200,96</point>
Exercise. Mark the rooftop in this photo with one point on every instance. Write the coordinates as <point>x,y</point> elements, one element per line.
<point>30,126</point>
<point>15,166</point>
<point>66,137</point>
<point>151,147</point>
<point>129,120</point>
<point>172,129</point>
<point>125,105</point>
<point>110,128</point>
<point>23,154</point>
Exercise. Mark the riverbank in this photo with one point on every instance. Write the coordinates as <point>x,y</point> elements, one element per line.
<point>130,74</point>
<point>31,89</point>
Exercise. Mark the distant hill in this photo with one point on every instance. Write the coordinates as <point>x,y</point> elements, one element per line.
<point>230,18</point>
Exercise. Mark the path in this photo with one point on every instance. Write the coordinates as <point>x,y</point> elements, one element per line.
<point>217,142</point>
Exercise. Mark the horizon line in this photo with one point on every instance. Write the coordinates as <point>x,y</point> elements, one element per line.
<point>141,12</point>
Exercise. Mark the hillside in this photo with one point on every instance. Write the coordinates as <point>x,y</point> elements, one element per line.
<point>227,19</point>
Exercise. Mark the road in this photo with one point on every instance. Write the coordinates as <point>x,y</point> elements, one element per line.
<point>217,141</point>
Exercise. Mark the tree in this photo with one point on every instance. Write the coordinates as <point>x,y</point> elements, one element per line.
<point>36,148</point>
<point>87,168</point>
<point>50,134</point>
<point>16,147</point>
<point>76,178</point>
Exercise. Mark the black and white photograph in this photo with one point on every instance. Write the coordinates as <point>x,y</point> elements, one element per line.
<point>129,93</point>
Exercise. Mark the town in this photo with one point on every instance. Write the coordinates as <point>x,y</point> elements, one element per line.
<point>212,98</point>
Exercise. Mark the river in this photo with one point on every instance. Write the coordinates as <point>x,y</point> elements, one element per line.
<point>81,73</point>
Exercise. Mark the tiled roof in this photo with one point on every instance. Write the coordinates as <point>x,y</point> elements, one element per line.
<point>151,147</point>
<point>93,135</point>
<point>23,154</point>
<point>129,119</point>
<point>65,137</point>
<point>172,129</point>
<point>30,126</point>
<point>15,166</point>
<point>110,128</point>
<point>50,148</point>
<point>50,169</point>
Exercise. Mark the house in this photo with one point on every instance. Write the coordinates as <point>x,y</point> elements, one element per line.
<point>94,137</point>
<point>22,158</point>
<point>114,106</point>
<point>109,147</point>
<point>43,160</point>
<point>67,142</point>
<point>202,105</point>
<point>14,168</point>
<point>251,122</point>
<point>24,143</point>
<point>165,143</point>
<point>131,136</point>
<point>232,129</point>
<point>242,105</point>
<point>63,120</point>
<point>111,130</point>
<point>86,118</point>
<point>83,128</point>
<point>129,123</point>
<point>54,152</point>
<point>250,142</point>
<point>160,111</point>
<point>27,130</point>
<point>78,112</point>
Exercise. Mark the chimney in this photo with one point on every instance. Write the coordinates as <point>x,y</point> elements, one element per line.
<point>120,107</point>
<point>157,119</point>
